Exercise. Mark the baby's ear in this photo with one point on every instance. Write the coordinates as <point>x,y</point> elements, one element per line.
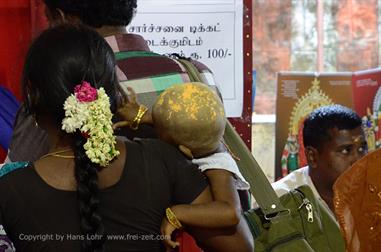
<point>186,151</point>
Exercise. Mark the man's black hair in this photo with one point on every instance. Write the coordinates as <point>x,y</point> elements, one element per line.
<point>317,124</point>
<point>97,13</point>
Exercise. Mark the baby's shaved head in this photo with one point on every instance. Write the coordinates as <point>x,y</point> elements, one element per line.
<point>192,115</point>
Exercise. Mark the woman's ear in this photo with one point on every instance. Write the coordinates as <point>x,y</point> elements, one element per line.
<point>311,155</point>
<point>186,151</point>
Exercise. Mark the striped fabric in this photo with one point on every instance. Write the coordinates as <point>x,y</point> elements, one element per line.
<point>149,88</point>
<point>146,72</point>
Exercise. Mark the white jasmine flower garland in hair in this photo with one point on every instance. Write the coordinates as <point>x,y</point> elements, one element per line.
<point>88,110</point>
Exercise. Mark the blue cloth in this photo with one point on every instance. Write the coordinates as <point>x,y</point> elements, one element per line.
<point>8,109</point>
<point>9,167</point>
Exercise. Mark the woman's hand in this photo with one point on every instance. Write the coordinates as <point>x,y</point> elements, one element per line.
<point>167,230</point>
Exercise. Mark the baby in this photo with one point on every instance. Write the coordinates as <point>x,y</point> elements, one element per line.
<point>191,117</point>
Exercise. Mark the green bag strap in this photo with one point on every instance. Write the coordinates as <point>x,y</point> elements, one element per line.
<point>193,73</point>
<point>261,188</point>
<point>135,54</point>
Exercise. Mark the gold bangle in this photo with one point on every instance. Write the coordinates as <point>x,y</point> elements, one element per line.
<point>135,123</point>
<point>171,217</point>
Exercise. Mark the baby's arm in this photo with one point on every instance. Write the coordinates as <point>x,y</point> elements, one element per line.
<point>128,110</point>
<point>224,211</point>
<point>216,224</point>
<point>228,239</point>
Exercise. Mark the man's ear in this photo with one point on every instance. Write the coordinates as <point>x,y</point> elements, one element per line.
<point>61,15</point>
<point>311,154</point>
<point>66,18</point>
<point>186,151</point>
<point>58,16</point>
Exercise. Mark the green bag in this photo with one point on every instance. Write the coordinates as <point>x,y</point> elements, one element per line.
<point>307,226</point>
<point>296,221</point>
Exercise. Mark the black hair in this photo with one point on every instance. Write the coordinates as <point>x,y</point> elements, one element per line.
<point>317,124</point>
<point>97,13</point>
<point>58,60</point>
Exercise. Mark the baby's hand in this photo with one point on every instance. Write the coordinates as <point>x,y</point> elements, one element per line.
<point>129,110</point>
<point>167,230</point>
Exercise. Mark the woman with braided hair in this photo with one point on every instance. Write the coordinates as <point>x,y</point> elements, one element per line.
<point>91,192</point>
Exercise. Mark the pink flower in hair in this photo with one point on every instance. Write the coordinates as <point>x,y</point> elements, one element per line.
<point>84,92</point>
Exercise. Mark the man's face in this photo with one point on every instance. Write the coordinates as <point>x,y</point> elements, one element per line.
<point>343,149</point>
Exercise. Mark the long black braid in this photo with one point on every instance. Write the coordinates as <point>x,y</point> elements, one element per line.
<point>88,198</point>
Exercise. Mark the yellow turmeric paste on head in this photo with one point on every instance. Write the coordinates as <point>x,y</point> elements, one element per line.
<point>192,114</point>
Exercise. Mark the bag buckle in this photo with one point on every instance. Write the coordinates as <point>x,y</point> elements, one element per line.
<point>277,214</point>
